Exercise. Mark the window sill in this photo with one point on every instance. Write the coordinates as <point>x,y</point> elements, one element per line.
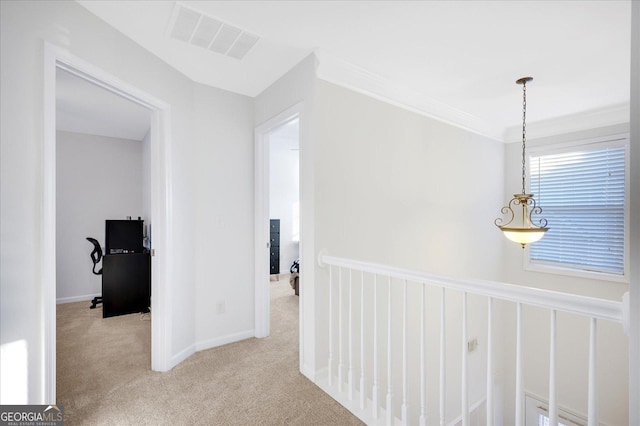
<point>571,272</point>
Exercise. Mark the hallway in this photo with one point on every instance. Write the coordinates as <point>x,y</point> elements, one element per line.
<point>104,375</point>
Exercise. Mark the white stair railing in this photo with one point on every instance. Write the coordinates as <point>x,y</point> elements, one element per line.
<point>373,278</point>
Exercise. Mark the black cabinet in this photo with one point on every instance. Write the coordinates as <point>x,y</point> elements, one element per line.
<point>126,269</point>
<point>274,246</point>
<point>126,283</point>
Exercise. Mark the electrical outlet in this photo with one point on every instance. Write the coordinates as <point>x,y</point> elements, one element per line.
<point>472,344</point>
<point>220,308</point>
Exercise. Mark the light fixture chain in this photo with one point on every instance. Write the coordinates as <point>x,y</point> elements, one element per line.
<point>524,133</point>
<point>519,225</point>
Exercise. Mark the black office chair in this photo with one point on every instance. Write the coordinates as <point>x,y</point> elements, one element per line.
<point>96,256</point>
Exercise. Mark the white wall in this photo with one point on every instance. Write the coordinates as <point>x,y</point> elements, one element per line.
<point>23,27</point>
<point>298,86</point>
<point>98,178</point>
<point>284,191</point>
<point>223,212</point>
<point>402,189</point>
<point>398,188</point>
<point>573,332</point>
<point>384,188</point>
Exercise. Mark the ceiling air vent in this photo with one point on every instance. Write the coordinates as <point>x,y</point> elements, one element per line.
<point>196,28</point>
<point>243,44</point>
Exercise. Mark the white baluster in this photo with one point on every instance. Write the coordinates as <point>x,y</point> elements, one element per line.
<point>593,411</point>
<point>423,390</point>
<point>340,359</point>
<point>489,404</point>
<point>465,353</point>
<point>389,382</point>
<point>405,386</point>
<point>330,326</point>
<point>374,389</point>
<point>350,373</point>
<point>519,420</point>
<point>362,392</point>
<point>553,403</point>
<point>442,360</point>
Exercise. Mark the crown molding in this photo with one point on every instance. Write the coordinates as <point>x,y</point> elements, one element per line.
<point>593,119</point>
<point>360,80</point>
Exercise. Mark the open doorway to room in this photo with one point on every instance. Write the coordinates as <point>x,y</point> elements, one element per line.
<point>284,214</point>
<point>102,174</point>
<point>278,233</point>
<point>160,193</point>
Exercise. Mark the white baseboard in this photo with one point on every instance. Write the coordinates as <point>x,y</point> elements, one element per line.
<point>208,344</point>
<point>308,372</point>
<point>182,355</point>
<point>82,298</point>
<point>223,340</point>
<point>313,375</point>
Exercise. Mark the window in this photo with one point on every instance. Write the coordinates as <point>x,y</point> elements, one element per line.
<point>543,420</point>
<point>537,413</point>
<point>582,192</point>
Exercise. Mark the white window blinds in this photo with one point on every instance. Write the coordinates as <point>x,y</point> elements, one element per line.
<point>582,195</point>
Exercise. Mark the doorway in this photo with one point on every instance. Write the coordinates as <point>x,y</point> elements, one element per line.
<point>284,204</point>
<point>102,156</point>
<point>277,141</point>
<point>160,206</point>
<point>102,173</point>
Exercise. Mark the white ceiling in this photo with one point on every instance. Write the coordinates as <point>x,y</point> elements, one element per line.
<point>83,107</point>
<point>453,60</point>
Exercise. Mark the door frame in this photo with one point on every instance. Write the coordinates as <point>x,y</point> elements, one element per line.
<point>261,243</point>
<point>161,207</point>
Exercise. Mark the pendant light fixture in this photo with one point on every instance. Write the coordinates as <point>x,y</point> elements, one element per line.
<point>517,224</point>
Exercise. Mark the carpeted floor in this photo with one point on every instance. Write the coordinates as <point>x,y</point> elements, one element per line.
<point>104,375</point>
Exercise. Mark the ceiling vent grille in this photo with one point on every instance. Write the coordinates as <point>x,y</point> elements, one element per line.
<point>207,32</point>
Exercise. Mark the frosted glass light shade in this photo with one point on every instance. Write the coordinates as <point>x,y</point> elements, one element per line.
<point>524,236</point>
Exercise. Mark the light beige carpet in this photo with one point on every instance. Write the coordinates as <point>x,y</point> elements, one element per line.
<point>104,375</point>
